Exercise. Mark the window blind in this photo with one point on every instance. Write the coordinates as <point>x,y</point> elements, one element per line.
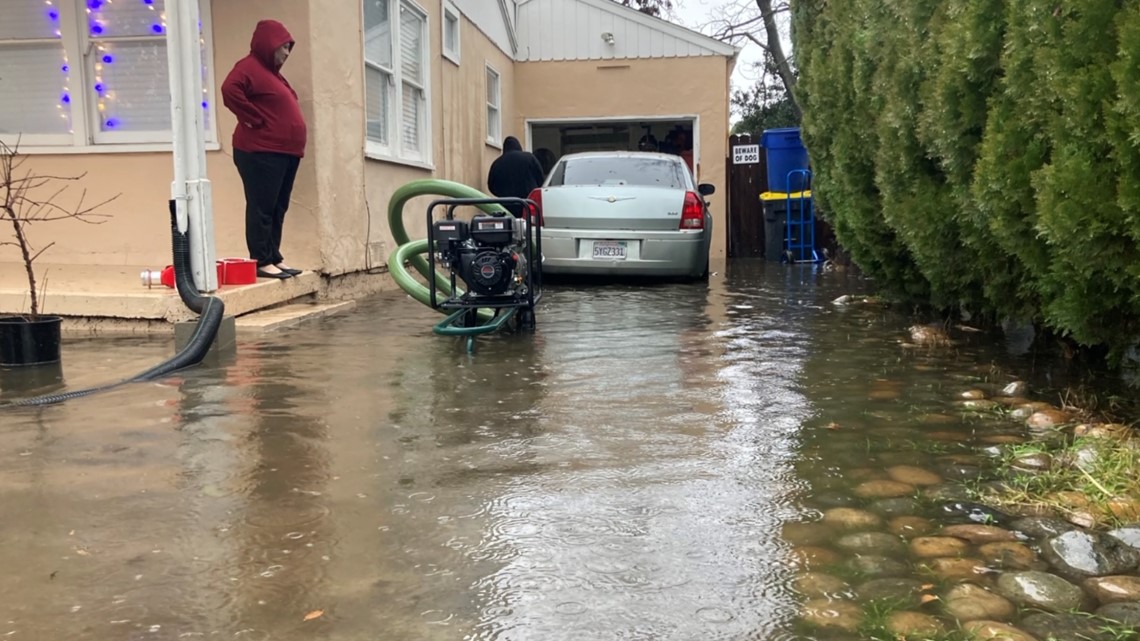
<point>378,104</point>
<point>34,96</point>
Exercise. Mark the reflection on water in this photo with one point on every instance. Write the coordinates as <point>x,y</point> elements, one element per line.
<point>626,472</point>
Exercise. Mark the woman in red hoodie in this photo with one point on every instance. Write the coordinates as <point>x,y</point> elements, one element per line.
<point>269,142</point>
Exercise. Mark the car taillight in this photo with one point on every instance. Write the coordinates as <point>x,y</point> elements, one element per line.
<point>536,196</point>
<point>692,213</point>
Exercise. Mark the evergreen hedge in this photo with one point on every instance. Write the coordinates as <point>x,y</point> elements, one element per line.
<point>983,154</point>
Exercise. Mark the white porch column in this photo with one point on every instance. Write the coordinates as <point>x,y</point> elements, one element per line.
<point>190,189</point>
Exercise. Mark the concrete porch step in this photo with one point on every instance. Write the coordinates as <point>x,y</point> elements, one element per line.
<point>81,293</point>
<point>289,315</point>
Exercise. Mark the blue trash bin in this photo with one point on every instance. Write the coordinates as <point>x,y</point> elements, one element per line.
<point>785,152</point>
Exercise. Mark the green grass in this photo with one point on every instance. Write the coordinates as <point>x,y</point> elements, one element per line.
<point>1109,475</point>
<point>876,618</point>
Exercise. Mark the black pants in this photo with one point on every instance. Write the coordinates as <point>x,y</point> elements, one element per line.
<point>268,181</point>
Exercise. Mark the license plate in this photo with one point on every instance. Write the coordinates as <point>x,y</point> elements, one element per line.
<point>609,249</point>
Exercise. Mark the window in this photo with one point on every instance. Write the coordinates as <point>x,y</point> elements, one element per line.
<point>396,81</point>
<point>620,170</point>
<point>450,32</point>
<point>494,112</point>
<point>78,73</point>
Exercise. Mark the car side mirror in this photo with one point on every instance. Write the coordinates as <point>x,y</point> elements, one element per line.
<point>706,189</point>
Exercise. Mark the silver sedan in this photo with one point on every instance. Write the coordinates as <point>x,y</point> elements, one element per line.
<point>624,214</point>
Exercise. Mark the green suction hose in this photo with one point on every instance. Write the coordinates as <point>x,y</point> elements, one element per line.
<point>412,252</point>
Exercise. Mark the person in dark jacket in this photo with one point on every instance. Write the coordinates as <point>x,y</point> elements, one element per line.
<point>269,142</point>
<point>514,174</point>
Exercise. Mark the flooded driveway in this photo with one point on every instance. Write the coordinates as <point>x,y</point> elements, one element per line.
<point>635,469</point>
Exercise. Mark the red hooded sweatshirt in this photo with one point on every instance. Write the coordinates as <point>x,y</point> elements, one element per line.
<point>269,116</point>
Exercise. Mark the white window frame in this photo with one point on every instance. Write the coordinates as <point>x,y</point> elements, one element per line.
<point>451,15</point>
<point>394,151</point>
<point>495,132</point>
<point>86,136</point>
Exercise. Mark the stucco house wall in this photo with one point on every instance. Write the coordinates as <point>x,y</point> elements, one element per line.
<point>337,221</point>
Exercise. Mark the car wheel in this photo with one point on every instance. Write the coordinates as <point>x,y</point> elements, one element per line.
<point>704,276</point>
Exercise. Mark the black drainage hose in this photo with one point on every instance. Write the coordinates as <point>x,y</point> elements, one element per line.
<point>210,311</point>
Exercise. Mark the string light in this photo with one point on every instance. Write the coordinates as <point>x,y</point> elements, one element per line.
<point>103,27</point>
<point>64,104</point>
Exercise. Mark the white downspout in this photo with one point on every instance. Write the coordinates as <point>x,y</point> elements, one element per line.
<point>191,189</point>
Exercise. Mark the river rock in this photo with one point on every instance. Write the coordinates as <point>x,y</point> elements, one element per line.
<point>938,419</point>
<point>1114,589</point>
<point>1043,527</point>
<point>914,625</point>
<point>891,459</point>
<point>865,473</point>
<point>1110,431</point>
<point>950,569</point>
<point>872,543</point>
<point>1003,439</point>
<point>807,533</point>
<point>979,533</point>
<point>929,336</point>
<point>1087,455</point>
<point>834,499</point>
<point>884,394</point>
<point>852,519</point>
<point>1083,519</point>
<point>1066,627</point>
<point>947,492</point>
<point>996,631</point>
<point>949,436</point>
<point>1122,613</point>
<point>935,546</point>
<point>900,506</point>
<point>883,489</point>
<point>979,405</point>
<point>1010,556</point>
<point>1047,419</point>
<point>968,512</point>
<point>1079,555</point>
<point>1040,590</point>
<point>960,471</point>
<point>1016,388</point>
<point>828,614</point>
<point>910,526</point>
<point>899,589</point>
<point>1124,508</point>
<point>913,475</point>
<point>1130,535</point>
<point>969,602</point>
<point>972,395</point>
<point>874,566</point>
<point>818,584</point>
<point>1038,462</point>
<point>1012,401</point>
<point>813,556</point>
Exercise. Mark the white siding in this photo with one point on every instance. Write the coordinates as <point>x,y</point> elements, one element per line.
<point>487,15</point>
<point>572,30</point>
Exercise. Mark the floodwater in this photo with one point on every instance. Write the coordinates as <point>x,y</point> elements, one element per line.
<point>628,471</point>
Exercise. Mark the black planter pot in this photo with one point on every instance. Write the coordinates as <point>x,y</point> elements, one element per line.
<point>29,342</point>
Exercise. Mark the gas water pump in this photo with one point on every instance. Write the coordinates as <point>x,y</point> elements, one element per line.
<point>496,255</point>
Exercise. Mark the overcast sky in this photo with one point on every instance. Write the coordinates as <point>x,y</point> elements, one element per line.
<point>695,13</point>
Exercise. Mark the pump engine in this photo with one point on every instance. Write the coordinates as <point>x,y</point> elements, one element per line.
<point>489,253</point>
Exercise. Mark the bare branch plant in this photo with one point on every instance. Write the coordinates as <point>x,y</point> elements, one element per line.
<point>27,198</point>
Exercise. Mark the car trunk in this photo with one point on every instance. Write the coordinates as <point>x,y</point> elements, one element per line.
<point>617,207</point>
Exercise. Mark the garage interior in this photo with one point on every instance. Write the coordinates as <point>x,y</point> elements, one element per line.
<point>552,140</point>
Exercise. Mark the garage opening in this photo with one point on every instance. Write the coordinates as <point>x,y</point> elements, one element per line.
<point>552,140</point>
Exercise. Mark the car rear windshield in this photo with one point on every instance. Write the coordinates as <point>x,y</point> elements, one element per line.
<point>619,170</point>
